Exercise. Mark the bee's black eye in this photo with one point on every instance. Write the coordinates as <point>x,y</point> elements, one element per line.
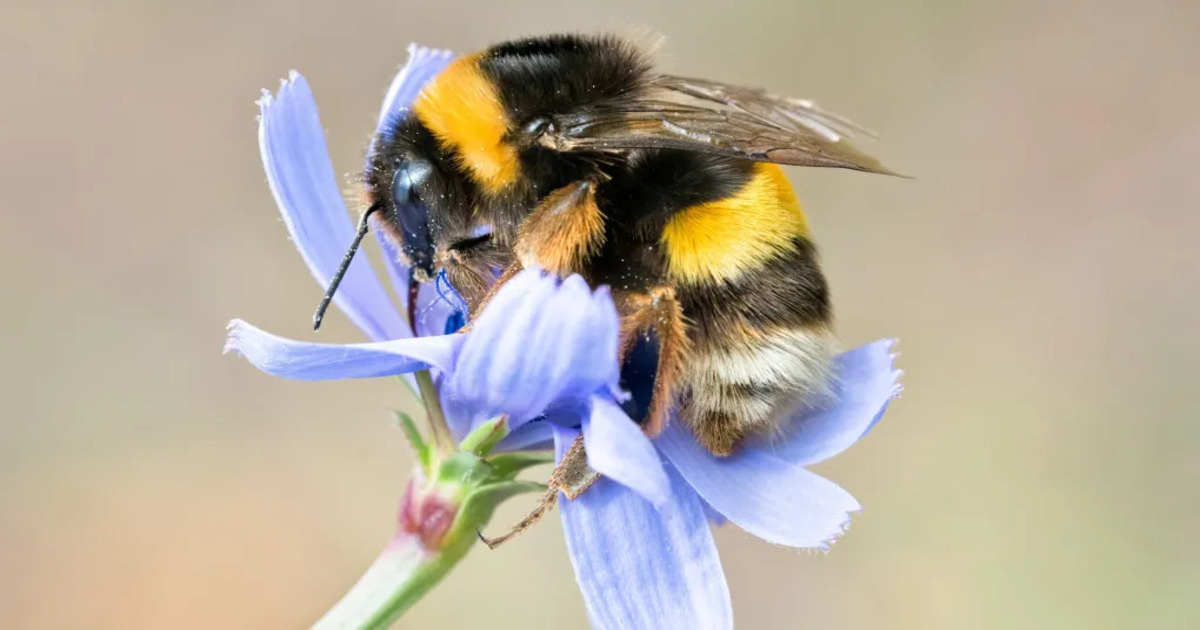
<point>402,186</point>
<point>538,126</point>
<point>410,177</point>
<point>412,216</point>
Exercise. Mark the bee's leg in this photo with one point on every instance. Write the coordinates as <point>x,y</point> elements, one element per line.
<point>563,231</point>
<point>544,504</point>
<point>506,275</point>
<point>659,313</point>
<point>559,235</point>
<point>470,267</point>
<point>572,476</point>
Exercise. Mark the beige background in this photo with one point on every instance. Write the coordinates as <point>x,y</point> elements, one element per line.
<point>1041,470</point>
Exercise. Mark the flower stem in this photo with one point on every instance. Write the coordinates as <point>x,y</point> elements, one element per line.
<point>433,412</point>
<point>397,579</point>
<point>440,518</point>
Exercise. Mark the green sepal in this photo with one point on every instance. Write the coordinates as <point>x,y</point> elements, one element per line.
<point>477,484</point>
<point>463,472</point>
<point>484,437</point>
<point>414,438</point>
<point>509,465</point>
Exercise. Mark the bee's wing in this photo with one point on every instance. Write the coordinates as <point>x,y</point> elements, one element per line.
<point>711,117</point>
<point>795,113</point>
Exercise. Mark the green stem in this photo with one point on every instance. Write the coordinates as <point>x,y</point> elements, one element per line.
<point>398,578</point>
<point>422,553</point>
<point>434,414</point>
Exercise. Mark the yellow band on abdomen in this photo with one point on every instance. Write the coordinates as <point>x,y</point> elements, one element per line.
<point>723,239</point>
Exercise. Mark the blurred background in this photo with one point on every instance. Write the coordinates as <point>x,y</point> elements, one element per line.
<point>1041,470</point>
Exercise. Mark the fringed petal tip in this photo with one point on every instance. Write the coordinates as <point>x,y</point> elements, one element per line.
<point>897,373</point>
<point>263,101</point>
<point>423,54</point>
<point>825,546</point>
<point>232,336</point>
<point>764,494</point>
<point>267,98</point>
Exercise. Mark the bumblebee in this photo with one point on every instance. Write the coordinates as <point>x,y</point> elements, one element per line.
<point>573,154</point>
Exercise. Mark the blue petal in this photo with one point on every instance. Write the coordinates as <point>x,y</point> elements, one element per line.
<point>487,364</point>
<point>714,517</point>
<point>528,436</point>
<point>432,311</point>
<point>866,382</point>
<point>307,193</point>
<point>535,344</point>
<point>458,416</point>
<point>423,64</point>
<point>770,497</point>
<point>531,436</point>
<point>397,270</point>
<point>322,361</point>
<point>617,448</point>
<point>643,567</point>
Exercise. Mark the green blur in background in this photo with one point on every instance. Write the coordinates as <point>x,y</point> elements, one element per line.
<point>1042,469</point>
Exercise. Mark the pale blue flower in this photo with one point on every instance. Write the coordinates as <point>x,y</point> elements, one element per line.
<point>544,352</point>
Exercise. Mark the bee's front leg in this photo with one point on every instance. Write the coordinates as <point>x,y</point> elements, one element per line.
<point>470,267</point>
<point>559,235</point>
<point>572,476</point>
<point>563,231</point>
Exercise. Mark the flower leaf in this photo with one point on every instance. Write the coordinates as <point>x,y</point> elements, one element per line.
<point>414,438</point>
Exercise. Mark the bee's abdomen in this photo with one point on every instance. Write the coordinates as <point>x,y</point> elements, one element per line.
<point>733,236</point>
<point>759,345</point>
<point>731,241</point>
<point>786,292</point>
<point>757,310</point>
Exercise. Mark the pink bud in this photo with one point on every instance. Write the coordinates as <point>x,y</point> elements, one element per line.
<point>426,515</point>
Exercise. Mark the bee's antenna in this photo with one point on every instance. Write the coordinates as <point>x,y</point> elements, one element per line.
<point>341,272</point>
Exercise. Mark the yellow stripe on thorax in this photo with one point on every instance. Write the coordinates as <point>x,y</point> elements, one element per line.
<point>463,109</point>
<point>723,239</point>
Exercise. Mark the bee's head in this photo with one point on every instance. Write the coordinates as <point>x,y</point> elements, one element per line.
<point>422,197</point>
<point>418,196</point>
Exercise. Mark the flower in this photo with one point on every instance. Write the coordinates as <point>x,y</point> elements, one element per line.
<point>544,353</point>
